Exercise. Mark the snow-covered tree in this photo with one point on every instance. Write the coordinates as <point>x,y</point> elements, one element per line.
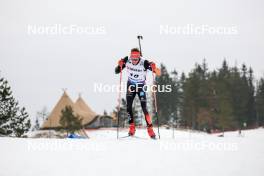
<point>36,126</point>
<point>14,120</point>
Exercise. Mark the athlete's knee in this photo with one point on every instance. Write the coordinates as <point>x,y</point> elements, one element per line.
<point>145,110</point>
<point>144,106</point>
<point>129,107</point>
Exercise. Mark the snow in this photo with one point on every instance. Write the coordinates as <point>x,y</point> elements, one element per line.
<point>188,154</point>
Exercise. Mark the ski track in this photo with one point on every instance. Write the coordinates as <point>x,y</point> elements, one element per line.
<point>103,154</point>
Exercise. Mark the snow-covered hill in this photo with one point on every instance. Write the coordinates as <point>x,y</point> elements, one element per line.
<point>189,153</point>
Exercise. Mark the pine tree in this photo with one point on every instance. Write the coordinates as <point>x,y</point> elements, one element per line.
<point>213,98</point>
<point>175,97</point>
<point>205,95</point>
<point>36,126</point>
<point>251,104</point>
<point>20,123</point>
<point>123,119</point>
<point>189,95</point>
<point>260,102</point>
<point>165,100</point>
<point>181,98</point>
<point>237,84</point>
<point>69,121</point>
<point>195,93</point>
<point>13,119</point>
<point>121,114</point>
<point>224,114</point>
<point>5,101</point>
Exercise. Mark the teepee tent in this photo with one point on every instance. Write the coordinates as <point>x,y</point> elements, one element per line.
<point>53,119</point>
<point>79,108</point>
<point>84,110</point>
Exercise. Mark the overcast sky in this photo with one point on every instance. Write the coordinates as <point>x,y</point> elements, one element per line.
<point>38,66</point>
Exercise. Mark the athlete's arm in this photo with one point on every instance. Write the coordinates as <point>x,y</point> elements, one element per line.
<point>152,67</point>
<point>147,65</point>
<point>121,64</point>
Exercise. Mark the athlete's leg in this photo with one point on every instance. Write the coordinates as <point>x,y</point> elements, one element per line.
<point>143,101</point>
<point>130,95</point>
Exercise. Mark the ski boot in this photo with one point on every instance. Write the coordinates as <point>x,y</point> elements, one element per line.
<point>151,133</point>
<point>132,129</point>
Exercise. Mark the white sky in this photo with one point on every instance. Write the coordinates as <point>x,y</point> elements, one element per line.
<point>39,66</point>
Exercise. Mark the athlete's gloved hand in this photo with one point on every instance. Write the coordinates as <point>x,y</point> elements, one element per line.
<point>158,72</point>
<point>153,66</point>
<point>121,63</point>
<point>155,69</point>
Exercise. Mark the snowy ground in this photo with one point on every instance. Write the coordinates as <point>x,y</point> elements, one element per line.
<point>189,153</point>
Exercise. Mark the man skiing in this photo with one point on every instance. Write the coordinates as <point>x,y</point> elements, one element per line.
<point>137,70</point>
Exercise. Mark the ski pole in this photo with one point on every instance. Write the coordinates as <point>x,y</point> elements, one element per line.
<point>140,50</point>
<point>140,37</point>
<point>153,75</point>
<point>155,102</point>
<point>119,103</point>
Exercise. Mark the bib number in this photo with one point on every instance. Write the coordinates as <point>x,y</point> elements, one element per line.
<point>134,75</point>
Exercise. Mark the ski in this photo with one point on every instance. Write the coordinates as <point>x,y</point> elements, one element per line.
<point>124,136</point>
<point>137,137</point>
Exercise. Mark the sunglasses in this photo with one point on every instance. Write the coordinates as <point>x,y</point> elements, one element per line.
<point>135,55</point>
